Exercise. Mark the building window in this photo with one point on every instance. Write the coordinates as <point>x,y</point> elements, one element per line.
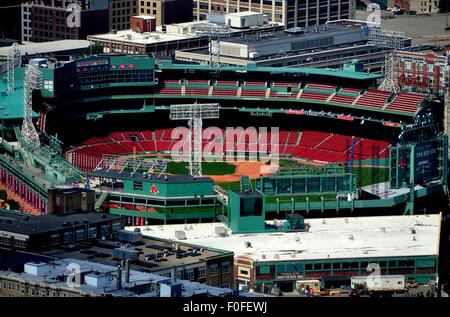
<point>104,229</point>
<point>92,232</point>
<point>68,237</point>
<point>318,267</point>
<point>226,267</point>
<point>116,226</point>
<point>201,272</point>
<point>243,272</point>
<point>54,239</point>
<point>213,269</point>
<point>189,275</point>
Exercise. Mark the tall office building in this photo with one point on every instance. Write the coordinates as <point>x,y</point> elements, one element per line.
<point>51,20</point>
<point>167,11</point>
<point>120,13</point>
<point>10,26</point>
<point>292,13</point>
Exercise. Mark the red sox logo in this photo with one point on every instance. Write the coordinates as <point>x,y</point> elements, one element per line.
<point>154,190</point>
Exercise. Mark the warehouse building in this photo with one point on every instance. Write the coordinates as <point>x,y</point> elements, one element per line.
<point>53,279</point>
<point>26,232</point>
<point>331,250</point>
<point>328,46</point>
<point>172,260</point>
<point>159,41</point>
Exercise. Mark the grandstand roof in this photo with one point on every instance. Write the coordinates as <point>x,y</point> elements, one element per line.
<point>11,103</point>
<point>331,238</point>
<point>291,70</point>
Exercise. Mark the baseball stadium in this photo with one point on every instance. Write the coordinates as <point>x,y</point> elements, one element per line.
<point>337,144</point>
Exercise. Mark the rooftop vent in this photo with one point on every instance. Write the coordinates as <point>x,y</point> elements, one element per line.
<point>346,220</point>
<point>383,229</point>
<point>248,244</point>
<point>221,231</point>
<point>351,237</point>
<point>276,256</point>
<point>413,231</point>
<point>263,256</point>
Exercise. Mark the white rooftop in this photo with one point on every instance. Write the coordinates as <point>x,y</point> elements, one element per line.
<point>145,17</point>
<point>244,13</point>
<point>139,38</point>
<point>328,238</point>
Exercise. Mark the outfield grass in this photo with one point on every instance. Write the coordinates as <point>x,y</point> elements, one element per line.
<point>208,168</point>
<point>368,176</point>
<point>234,185</point>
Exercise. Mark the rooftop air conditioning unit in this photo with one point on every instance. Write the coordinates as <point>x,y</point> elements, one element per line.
<point>180,235</point>
<point>248,244</point>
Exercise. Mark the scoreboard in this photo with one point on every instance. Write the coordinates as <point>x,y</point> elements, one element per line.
<point>426,162</point>
<point>418,163</point>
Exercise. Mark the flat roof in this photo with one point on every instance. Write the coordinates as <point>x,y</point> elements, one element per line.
<point>49,47</point>
<point>150,253</point>
<point>58,268</point>
<point>244,13</point>
<point>298,33</point>
<point>47,223</point>
<point>129,36</point>
<point>383,191</point>
<point>11,102</point>
<point>327,238</point>
<point>146,17</point>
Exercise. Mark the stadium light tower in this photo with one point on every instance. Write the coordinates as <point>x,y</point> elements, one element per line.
<point>195,113</point>
<point>390,40</point>
<point>12,59</point>
<point>389,83</point>
<point>32,81</point>
<point>214,32</point>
